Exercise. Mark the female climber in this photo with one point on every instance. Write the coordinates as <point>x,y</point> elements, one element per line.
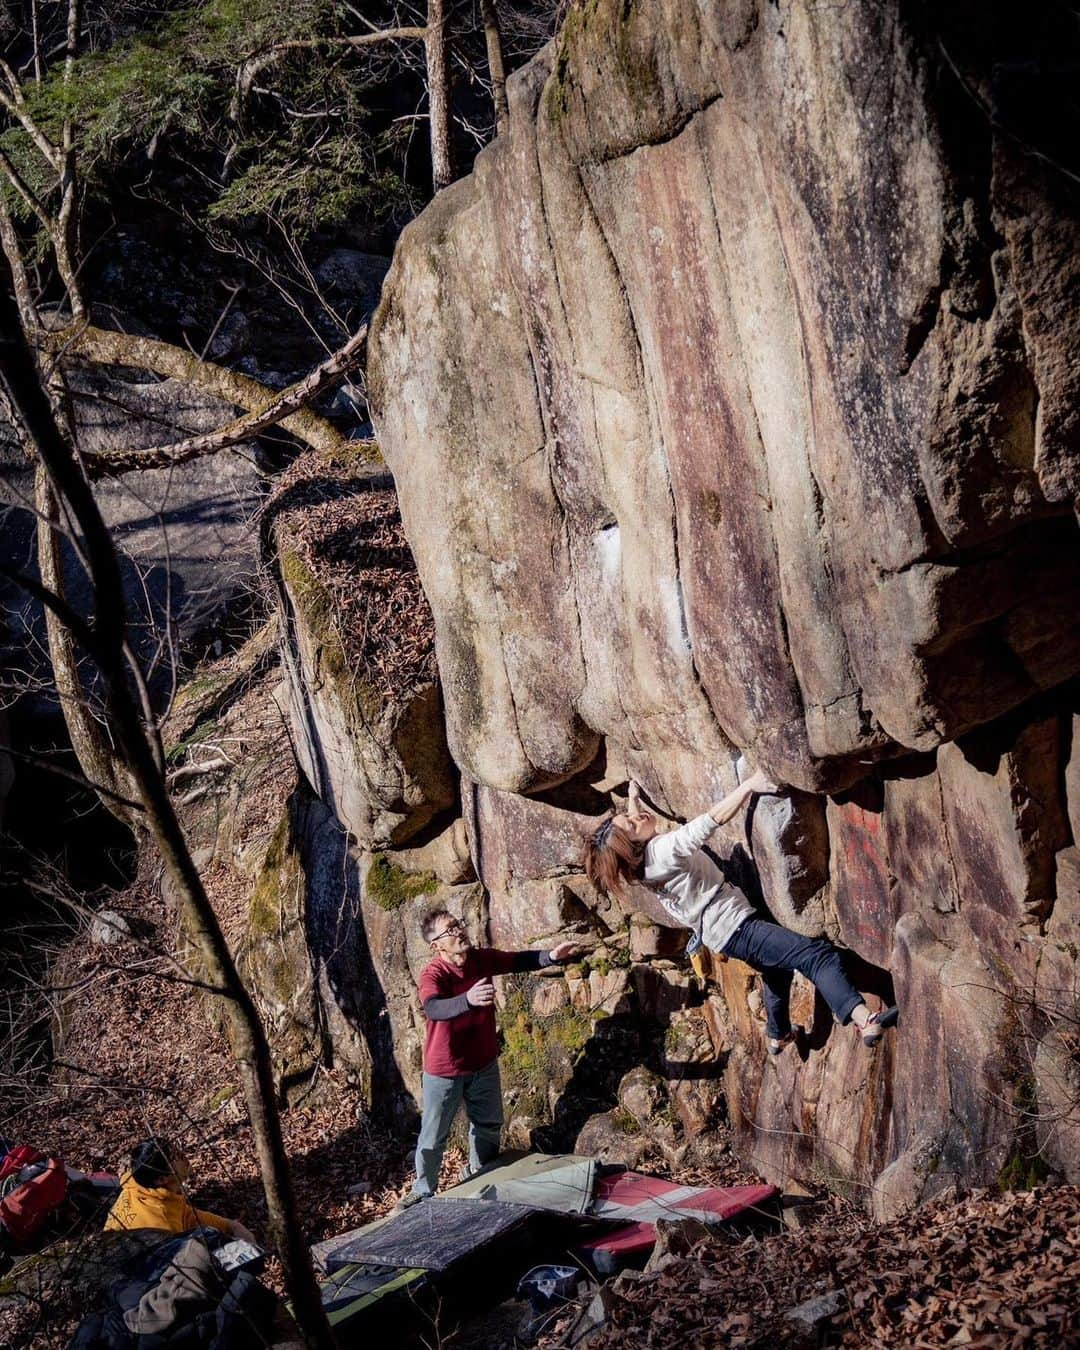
<point>629,847</point>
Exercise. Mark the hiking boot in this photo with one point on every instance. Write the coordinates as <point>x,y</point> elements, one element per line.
<point>407,1201</point>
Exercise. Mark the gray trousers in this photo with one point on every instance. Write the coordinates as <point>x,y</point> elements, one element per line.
<point>482,1094</point>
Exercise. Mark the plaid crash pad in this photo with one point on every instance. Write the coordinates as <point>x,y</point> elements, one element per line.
<point>432,1235</point>
<point>637,1198</point>
<point>643,1200</point>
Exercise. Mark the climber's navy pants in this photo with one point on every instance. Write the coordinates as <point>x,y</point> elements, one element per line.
<point>777,953</point>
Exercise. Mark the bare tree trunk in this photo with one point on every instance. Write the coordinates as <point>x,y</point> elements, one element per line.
<point>105,641</point>
<point>89,739</point>
<point>438,76</point>
<point>496,68</point>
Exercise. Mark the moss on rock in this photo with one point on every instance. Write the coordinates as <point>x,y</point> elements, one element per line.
<point>391,887</point>
<point>625,1121</point>
<point>275,961</point>
<point>264,907</point>
<point>540,1050</point>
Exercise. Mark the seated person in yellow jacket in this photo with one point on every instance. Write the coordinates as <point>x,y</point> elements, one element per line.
<point>152,1196</point>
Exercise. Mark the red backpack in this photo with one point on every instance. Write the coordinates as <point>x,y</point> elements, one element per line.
<point>15,1159</point>
<point>26,1207</point>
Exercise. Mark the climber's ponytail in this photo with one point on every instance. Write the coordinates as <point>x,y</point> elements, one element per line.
<point>612,859</point>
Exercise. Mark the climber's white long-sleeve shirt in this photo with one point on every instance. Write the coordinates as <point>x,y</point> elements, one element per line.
<point>690,885</point>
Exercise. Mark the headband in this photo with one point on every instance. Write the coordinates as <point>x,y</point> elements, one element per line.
<point>600,838</point>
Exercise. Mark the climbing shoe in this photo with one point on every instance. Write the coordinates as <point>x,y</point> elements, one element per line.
<point>775,1044</point>
<point>878,1023</point>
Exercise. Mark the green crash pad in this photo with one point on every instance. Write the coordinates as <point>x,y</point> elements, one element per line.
<point>561,1182</point>
<point>355,1289</point>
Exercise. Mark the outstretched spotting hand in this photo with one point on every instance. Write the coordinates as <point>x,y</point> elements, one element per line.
<point>482,993</point>
<point>563,952</point>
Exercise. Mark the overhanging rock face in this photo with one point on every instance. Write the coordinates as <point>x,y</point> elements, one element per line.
<point>732,406</point>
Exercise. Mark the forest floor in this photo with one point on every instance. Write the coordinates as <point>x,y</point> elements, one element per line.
<point>984,1270</point>
<point>141,1058</point>
<point>141,1055</point>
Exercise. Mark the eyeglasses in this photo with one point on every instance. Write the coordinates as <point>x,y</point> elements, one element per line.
<point>451,928</point>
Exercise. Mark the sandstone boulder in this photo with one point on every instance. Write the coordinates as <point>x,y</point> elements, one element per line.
<point>277,963</point>
<point>642,1094</point>
<point>1072,776</point>
<point>447,856</point>
<point>616,1137</point>
<point>732,406</point>
<point>858,491</point>
<point>790,846</point>
<point>327,964</point>
<point>527,854</point>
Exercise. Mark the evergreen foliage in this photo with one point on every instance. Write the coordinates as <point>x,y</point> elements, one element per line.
<point>309,145</point>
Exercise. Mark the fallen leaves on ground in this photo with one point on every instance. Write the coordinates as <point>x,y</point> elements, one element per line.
<point>350,537</point>
<point>987,1270</point>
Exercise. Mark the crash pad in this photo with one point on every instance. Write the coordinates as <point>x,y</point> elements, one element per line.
<point>641,1199</point>
<point>433,1235</point>
<point>561,1182</point>
<point>322,1252</point>
<point>354,1289</point>
<point>625,1241</point>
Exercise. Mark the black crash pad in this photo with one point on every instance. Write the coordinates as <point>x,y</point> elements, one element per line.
<point>432,1235</point>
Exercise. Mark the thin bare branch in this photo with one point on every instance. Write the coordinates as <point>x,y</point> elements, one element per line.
<point>41,762</point>
<point>186,771</point>
<point>16,107</point>
<point>29,198</point>
<point>172,362</point>
<point>44,596</point>
<point>253,67</point>
<point>245,428</point>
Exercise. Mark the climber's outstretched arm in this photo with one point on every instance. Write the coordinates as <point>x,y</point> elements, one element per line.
<point>729,806</point>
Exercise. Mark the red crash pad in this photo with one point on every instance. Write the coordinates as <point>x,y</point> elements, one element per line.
<point>641,1200</point>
